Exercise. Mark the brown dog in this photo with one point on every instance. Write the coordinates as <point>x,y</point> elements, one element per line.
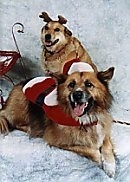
<point>84,96</point>
<point>59,46</point>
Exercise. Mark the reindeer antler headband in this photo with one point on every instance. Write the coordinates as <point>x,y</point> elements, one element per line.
<point>47,19</point>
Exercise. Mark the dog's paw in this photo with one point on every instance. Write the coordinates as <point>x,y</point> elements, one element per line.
<point>109,168</point>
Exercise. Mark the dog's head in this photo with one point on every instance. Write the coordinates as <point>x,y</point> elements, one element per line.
<point>54,35</point>
<point>84,93</point>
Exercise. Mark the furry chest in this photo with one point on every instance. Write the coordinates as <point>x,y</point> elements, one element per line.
<point>92,138</point>
<point>100,135</point>
<point>53,66</point>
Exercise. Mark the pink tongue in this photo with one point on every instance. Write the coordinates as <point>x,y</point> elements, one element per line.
<point>78,110</point>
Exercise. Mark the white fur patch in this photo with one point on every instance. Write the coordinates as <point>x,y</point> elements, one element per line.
<point>85,119</point>
<point>100,134</point>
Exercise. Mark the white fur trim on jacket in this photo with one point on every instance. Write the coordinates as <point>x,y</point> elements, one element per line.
<point>34,81</point>
<point>51,98</point>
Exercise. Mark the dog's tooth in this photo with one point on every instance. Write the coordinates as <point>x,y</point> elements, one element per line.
<point>86,104</point>
<point>72,99</point>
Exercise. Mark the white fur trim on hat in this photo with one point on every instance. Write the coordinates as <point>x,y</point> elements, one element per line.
<point>51,98</point>
<point>34,81</point>
<point>80,67</point>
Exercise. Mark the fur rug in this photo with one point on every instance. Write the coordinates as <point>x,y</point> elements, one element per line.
<point>24,159</point>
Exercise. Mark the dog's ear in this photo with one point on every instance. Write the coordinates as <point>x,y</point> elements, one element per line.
<point>60,78</point>
<point>61,19</point>
<point>105,76</point>
<point>45,17</point>
<point>68,32</point>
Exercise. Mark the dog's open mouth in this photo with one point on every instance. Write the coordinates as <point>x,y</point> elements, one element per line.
<point>49,43</point>
<point>81,108</point>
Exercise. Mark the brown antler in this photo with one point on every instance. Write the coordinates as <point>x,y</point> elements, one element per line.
<point>61,19</point>
<point>45,17</point>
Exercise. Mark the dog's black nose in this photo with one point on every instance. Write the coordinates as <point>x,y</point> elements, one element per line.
<point>47,37</point>
<point>78,95</point>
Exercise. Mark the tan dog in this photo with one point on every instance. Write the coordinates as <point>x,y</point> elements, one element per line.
<point>59,46</point>
<point>84,96</point>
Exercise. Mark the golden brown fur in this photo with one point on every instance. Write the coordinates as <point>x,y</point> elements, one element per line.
<point>67,48</point>
<point>93,142</point>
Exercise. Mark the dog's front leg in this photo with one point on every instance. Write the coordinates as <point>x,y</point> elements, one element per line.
<point>108,160</point>
<point>90,153</point>
<point>4,126</point>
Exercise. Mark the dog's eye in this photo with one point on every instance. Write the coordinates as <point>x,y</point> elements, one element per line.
<point>46,28</point>
<point>56,29</point>
<point>72,84</point>
<point>88,84</point>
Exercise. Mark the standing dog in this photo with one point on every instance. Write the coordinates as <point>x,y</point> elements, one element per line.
<point>82,95</point>
<point>59,46</point>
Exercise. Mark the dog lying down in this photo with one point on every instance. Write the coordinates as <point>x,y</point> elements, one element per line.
<point>83,99</point>
<point>59,46</point>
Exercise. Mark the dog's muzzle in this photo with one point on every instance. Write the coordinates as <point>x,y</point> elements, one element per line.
<point>81,103</point>
<point>48,40</point>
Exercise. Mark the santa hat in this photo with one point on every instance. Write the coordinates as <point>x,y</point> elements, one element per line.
<point>75,65</point>
<point>80,67</point>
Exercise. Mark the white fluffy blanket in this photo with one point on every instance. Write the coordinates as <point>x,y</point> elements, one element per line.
<point>31,160</point>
